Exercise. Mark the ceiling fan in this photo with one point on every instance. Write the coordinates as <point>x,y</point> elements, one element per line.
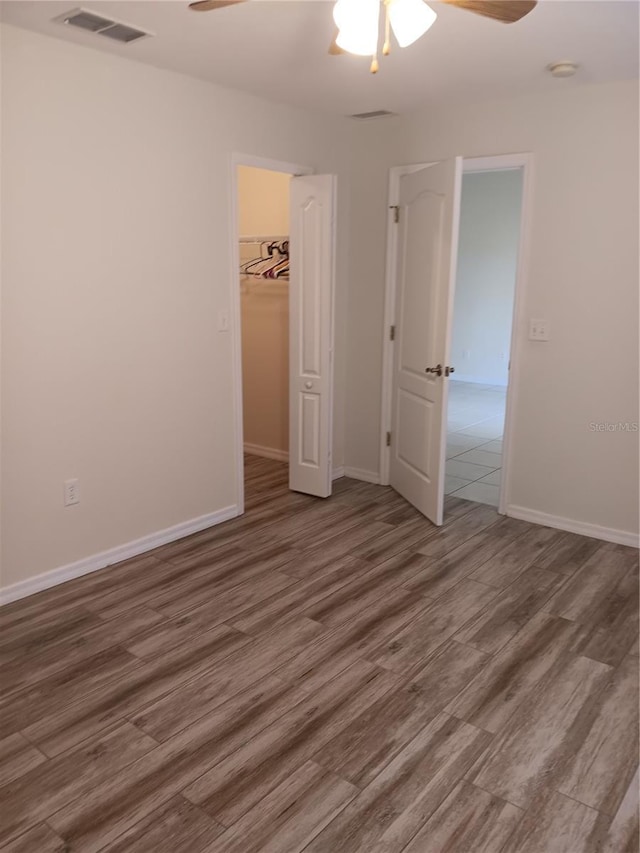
<point>357,21</point>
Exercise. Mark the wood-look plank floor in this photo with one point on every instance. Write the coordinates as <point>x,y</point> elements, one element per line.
<point>331,676</point>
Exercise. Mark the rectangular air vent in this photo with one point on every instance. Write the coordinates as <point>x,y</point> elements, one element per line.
<point>123,33</point>
<point>101,26</point>
<point>373,114</point>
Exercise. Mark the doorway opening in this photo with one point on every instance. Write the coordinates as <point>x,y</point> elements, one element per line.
<point>263,277</point>
<point>283,248</point>
<point>419,371</point>
<point>487,267</point>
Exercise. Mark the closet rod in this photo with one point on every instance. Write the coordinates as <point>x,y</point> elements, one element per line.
<point>263,239</point>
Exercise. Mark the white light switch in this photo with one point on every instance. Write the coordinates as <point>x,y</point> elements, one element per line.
<point>71,492</point>
<point>538,330</point>
<point>223,321</point>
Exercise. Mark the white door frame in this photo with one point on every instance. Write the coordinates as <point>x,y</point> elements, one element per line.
<point>238,159</point>
<point>496,163</point>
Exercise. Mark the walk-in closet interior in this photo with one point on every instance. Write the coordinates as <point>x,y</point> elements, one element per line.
<point>263,210</point>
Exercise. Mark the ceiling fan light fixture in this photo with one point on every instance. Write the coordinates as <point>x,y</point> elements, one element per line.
<point>410,19</point>
<point>357,22</point>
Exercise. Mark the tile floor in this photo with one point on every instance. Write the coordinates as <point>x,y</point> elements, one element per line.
<point>474,441</point>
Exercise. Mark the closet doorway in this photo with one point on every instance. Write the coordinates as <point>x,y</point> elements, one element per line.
<point>263,226</point>
<point>283,238</point>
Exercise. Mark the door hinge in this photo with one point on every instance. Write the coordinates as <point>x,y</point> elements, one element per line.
<point>392,333</point>
<point>388,439</point>
<point>396,212</point>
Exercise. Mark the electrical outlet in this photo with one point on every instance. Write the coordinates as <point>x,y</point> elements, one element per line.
<point>71,492</point>
<point>466,353</point>
<point>538,330</point>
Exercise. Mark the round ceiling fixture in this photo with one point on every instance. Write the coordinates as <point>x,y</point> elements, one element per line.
<point>562,69</point>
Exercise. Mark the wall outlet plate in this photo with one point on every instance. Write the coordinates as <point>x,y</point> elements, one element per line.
<point>538,330</point>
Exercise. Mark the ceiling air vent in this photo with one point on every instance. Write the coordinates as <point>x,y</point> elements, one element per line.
<point>98,24</point>
<point>373,114</point>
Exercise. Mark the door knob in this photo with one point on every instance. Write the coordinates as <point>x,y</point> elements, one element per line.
<point>449,370</point>
<point>308,384</point>
<point>437,370</point>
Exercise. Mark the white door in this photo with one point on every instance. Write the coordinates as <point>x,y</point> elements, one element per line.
<point>428,211</point>
<point>311,333</point>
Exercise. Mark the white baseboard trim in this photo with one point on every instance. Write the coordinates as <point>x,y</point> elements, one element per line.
<point>114,555</point>
<point>607,534</point>
<point>267,452</point>
<point>337,473</point>
<point>361,474</point>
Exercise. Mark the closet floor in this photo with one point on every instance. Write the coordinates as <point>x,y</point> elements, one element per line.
<point>329,676</point>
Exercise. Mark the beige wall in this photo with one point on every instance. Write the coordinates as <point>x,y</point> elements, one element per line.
<point>582,278</point>
<point>263,197</point>
<point>265,365</point>
<point>116,261</point>
<point>373,153</point>
<point>263,210</point>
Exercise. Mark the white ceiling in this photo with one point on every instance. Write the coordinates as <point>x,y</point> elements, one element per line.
<point>278,49</point>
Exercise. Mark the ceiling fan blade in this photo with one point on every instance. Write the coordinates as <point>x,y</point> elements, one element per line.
<point>334,47</point>
<point>507,11</point>
<point>210,5</point>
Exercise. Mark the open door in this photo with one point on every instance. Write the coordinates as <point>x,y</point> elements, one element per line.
<point>311,333</point>
<point>428,217</point>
